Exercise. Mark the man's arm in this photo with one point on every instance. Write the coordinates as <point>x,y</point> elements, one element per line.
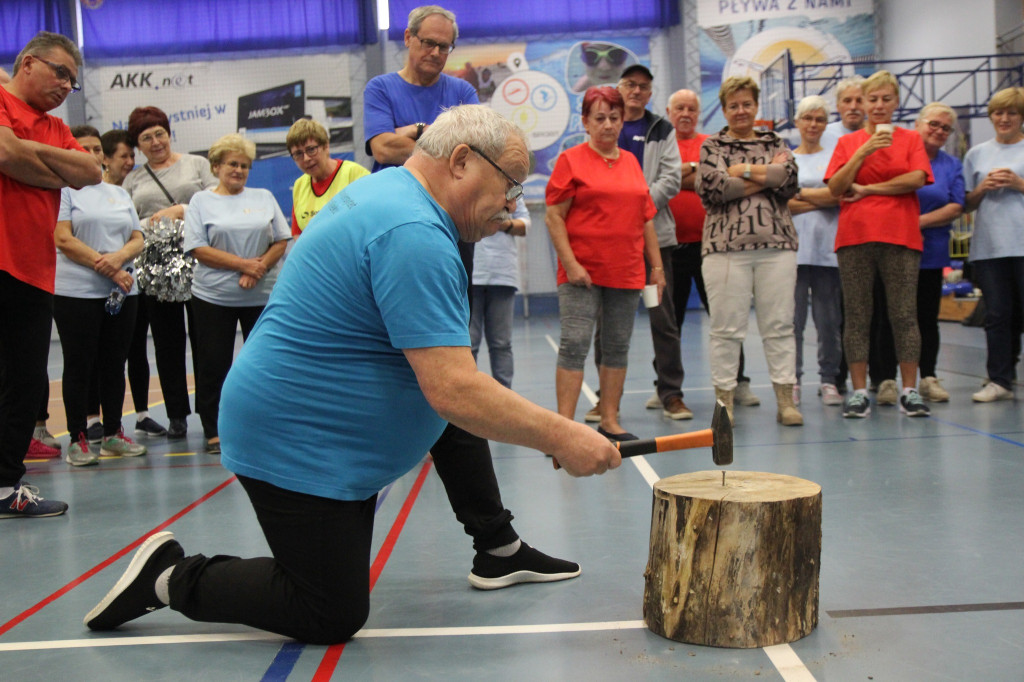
<point>394,148</point>
<point>76,168</point>
<point>20,160</point>
<point>666,183</point>
<point>472,400</point>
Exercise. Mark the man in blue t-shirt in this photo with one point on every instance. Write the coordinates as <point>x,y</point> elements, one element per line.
<point>350,331</point>
<point>398,108</point>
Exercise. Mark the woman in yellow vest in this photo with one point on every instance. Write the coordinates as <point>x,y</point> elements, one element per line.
<point>324,177</point>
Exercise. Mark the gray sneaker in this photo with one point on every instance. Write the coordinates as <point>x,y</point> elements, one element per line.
<point>120,445</point>
<point>41,434</point>
<point>79,454</point>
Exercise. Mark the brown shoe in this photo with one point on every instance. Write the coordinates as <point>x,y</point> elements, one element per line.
<point>675,408</point>
<point>593,416</point>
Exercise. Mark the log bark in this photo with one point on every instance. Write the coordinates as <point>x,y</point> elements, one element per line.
<point>734,565</point>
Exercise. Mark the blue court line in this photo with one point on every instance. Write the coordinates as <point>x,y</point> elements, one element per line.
<point>980,432</point>
<point>288,655</point>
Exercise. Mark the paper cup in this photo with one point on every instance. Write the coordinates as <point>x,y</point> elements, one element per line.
<point>650,296</point>
<point>884,128</point>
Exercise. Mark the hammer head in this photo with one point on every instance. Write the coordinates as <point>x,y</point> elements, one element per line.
<point>721,428</point>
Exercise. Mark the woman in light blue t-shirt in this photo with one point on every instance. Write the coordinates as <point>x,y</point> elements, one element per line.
<point>97,234</point>
<point>237,235</point>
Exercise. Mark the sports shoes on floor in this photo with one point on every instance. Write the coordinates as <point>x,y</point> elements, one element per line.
<point>37,449</point>
<point>654,402</point>
<point>887,393</point>
<point>26,502</point>
<point>912,405</point>
<point>177,430</point>
<point>525,566</point>
<point>744,396</point>
<point>830,395</point>
<point>134,594</point>
<point>41,434</point>
<point>931,390</point>
<point>992,392</point>
<point>857,406</point>
<point>79,454</point>
<point>675,408</point>
<point>150,427</point>
<point>120,445</point>
<point>94,433</point>
<point>796,395</point>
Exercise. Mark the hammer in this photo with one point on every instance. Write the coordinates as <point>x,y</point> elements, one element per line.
<point>718,437</point>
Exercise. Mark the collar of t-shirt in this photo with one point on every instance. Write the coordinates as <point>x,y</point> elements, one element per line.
<point>632,138</point>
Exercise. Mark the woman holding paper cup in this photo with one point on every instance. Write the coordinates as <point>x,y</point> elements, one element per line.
<point>600,217</point>
<point>745,179</point>
<point>876,173</point>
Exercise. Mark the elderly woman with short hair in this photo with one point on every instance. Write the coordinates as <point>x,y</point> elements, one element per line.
<point>816,217</point>
<point>876,173</point>
<point>310,148</point>
<point>746,176</point>
<point>237,235</point>
<point>994,180</point>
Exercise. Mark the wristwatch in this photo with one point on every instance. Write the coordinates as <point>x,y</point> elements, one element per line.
<point>419,129</point>
<point>746,172</point>
<point>693,166</point>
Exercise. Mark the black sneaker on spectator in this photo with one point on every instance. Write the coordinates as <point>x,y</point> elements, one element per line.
<point>26,502</point>
<point>177,430</point>
<point>525,566</point>
<point>134,594</point>
<point>150,427</point>
<point>94,434</point>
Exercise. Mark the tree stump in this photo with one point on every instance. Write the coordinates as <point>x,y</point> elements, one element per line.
<point>734,565</point>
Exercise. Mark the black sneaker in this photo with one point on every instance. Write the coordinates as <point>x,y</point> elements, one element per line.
<point>912,405</point>
<point>94,434</point>
<point>525,566</point>
<point>26,503</point>
<point>134,594</point>
<point>150,427</point>
<point>177,430</point>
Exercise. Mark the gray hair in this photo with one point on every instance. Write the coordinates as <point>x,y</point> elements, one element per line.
<point>811,103</point>
<point>934,108</point>
<point>418,14</point>
<point>43,43</point>
<point>692,92</point>
<point>473,124</point>
<point>847,83</point>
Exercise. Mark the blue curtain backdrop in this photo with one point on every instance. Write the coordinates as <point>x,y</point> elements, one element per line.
<point>144,28</point>
<point>543,17</point>
<point>22,19</point>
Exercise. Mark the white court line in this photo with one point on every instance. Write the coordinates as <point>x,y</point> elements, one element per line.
<point>367,633</point>
<point>782,656</point>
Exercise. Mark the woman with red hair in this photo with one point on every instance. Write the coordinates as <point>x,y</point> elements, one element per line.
<point>600,217</point>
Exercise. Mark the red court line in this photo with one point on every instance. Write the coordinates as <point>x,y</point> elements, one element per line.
<point>333,654</point>
<point>100,566</point>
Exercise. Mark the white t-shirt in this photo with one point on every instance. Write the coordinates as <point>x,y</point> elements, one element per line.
<point>816,230</point>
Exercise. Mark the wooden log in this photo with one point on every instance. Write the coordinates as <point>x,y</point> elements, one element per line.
<point>734,565</point>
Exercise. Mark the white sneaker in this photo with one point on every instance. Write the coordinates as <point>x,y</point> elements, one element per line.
<point>992,392</point>
<point>744,396</point>
<point>887,393</point>
<point>830,395</point>
<point>931,390</point>
<point>654,402</point>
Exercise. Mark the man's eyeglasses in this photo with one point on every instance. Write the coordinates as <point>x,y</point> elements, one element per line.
<point>935,125</point>
<point>633,85</point>
<point>615,56</point>
<point>311,150</point>
<point>513,192</point>
<point>62,73</point>
<point>443,48</point>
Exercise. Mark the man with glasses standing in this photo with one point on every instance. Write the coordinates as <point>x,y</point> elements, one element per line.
<point>38,156</point>
<point>652,140</point>
<point>398,108</point>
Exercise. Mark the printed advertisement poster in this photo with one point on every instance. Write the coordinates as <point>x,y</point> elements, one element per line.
<point>746,37</point>
<point>540,86</point>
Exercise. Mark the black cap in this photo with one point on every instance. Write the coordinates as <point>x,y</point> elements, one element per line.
<point>635,68</point>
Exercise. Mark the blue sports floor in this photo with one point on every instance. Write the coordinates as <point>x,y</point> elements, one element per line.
<point>922,571</point>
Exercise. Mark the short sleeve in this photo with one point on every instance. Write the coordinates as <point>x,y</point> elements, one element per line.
<point>194,232</point>
<point>839,157</point>
<point>65,205</point>
<point>378,114</point>
<point>561,185</point>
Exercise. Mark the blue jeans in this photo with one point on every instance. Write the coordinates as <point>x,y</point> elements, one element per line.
<point>820,286</point>
<point>1002,285</point>
<point>490,315</point>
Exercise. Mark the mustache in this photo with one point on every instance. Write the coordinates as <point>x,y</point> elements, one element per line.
<point>501,216</point>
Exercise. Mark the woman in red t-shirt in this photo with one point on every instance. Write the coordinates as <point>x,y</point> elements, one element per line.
<point>600,217</point>
<point>876,172</point>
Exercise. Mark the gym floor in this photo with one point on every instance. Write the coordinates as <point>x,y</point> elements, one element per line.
<point>921,570</point>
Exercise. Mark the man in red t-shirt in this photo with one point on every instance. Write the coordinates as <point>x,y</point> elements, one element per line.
<point>683,113</point>
<point>38,156</point>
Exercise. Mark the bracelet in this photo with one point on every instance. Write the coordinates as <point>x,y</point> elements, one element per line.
<point>657,267</point>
